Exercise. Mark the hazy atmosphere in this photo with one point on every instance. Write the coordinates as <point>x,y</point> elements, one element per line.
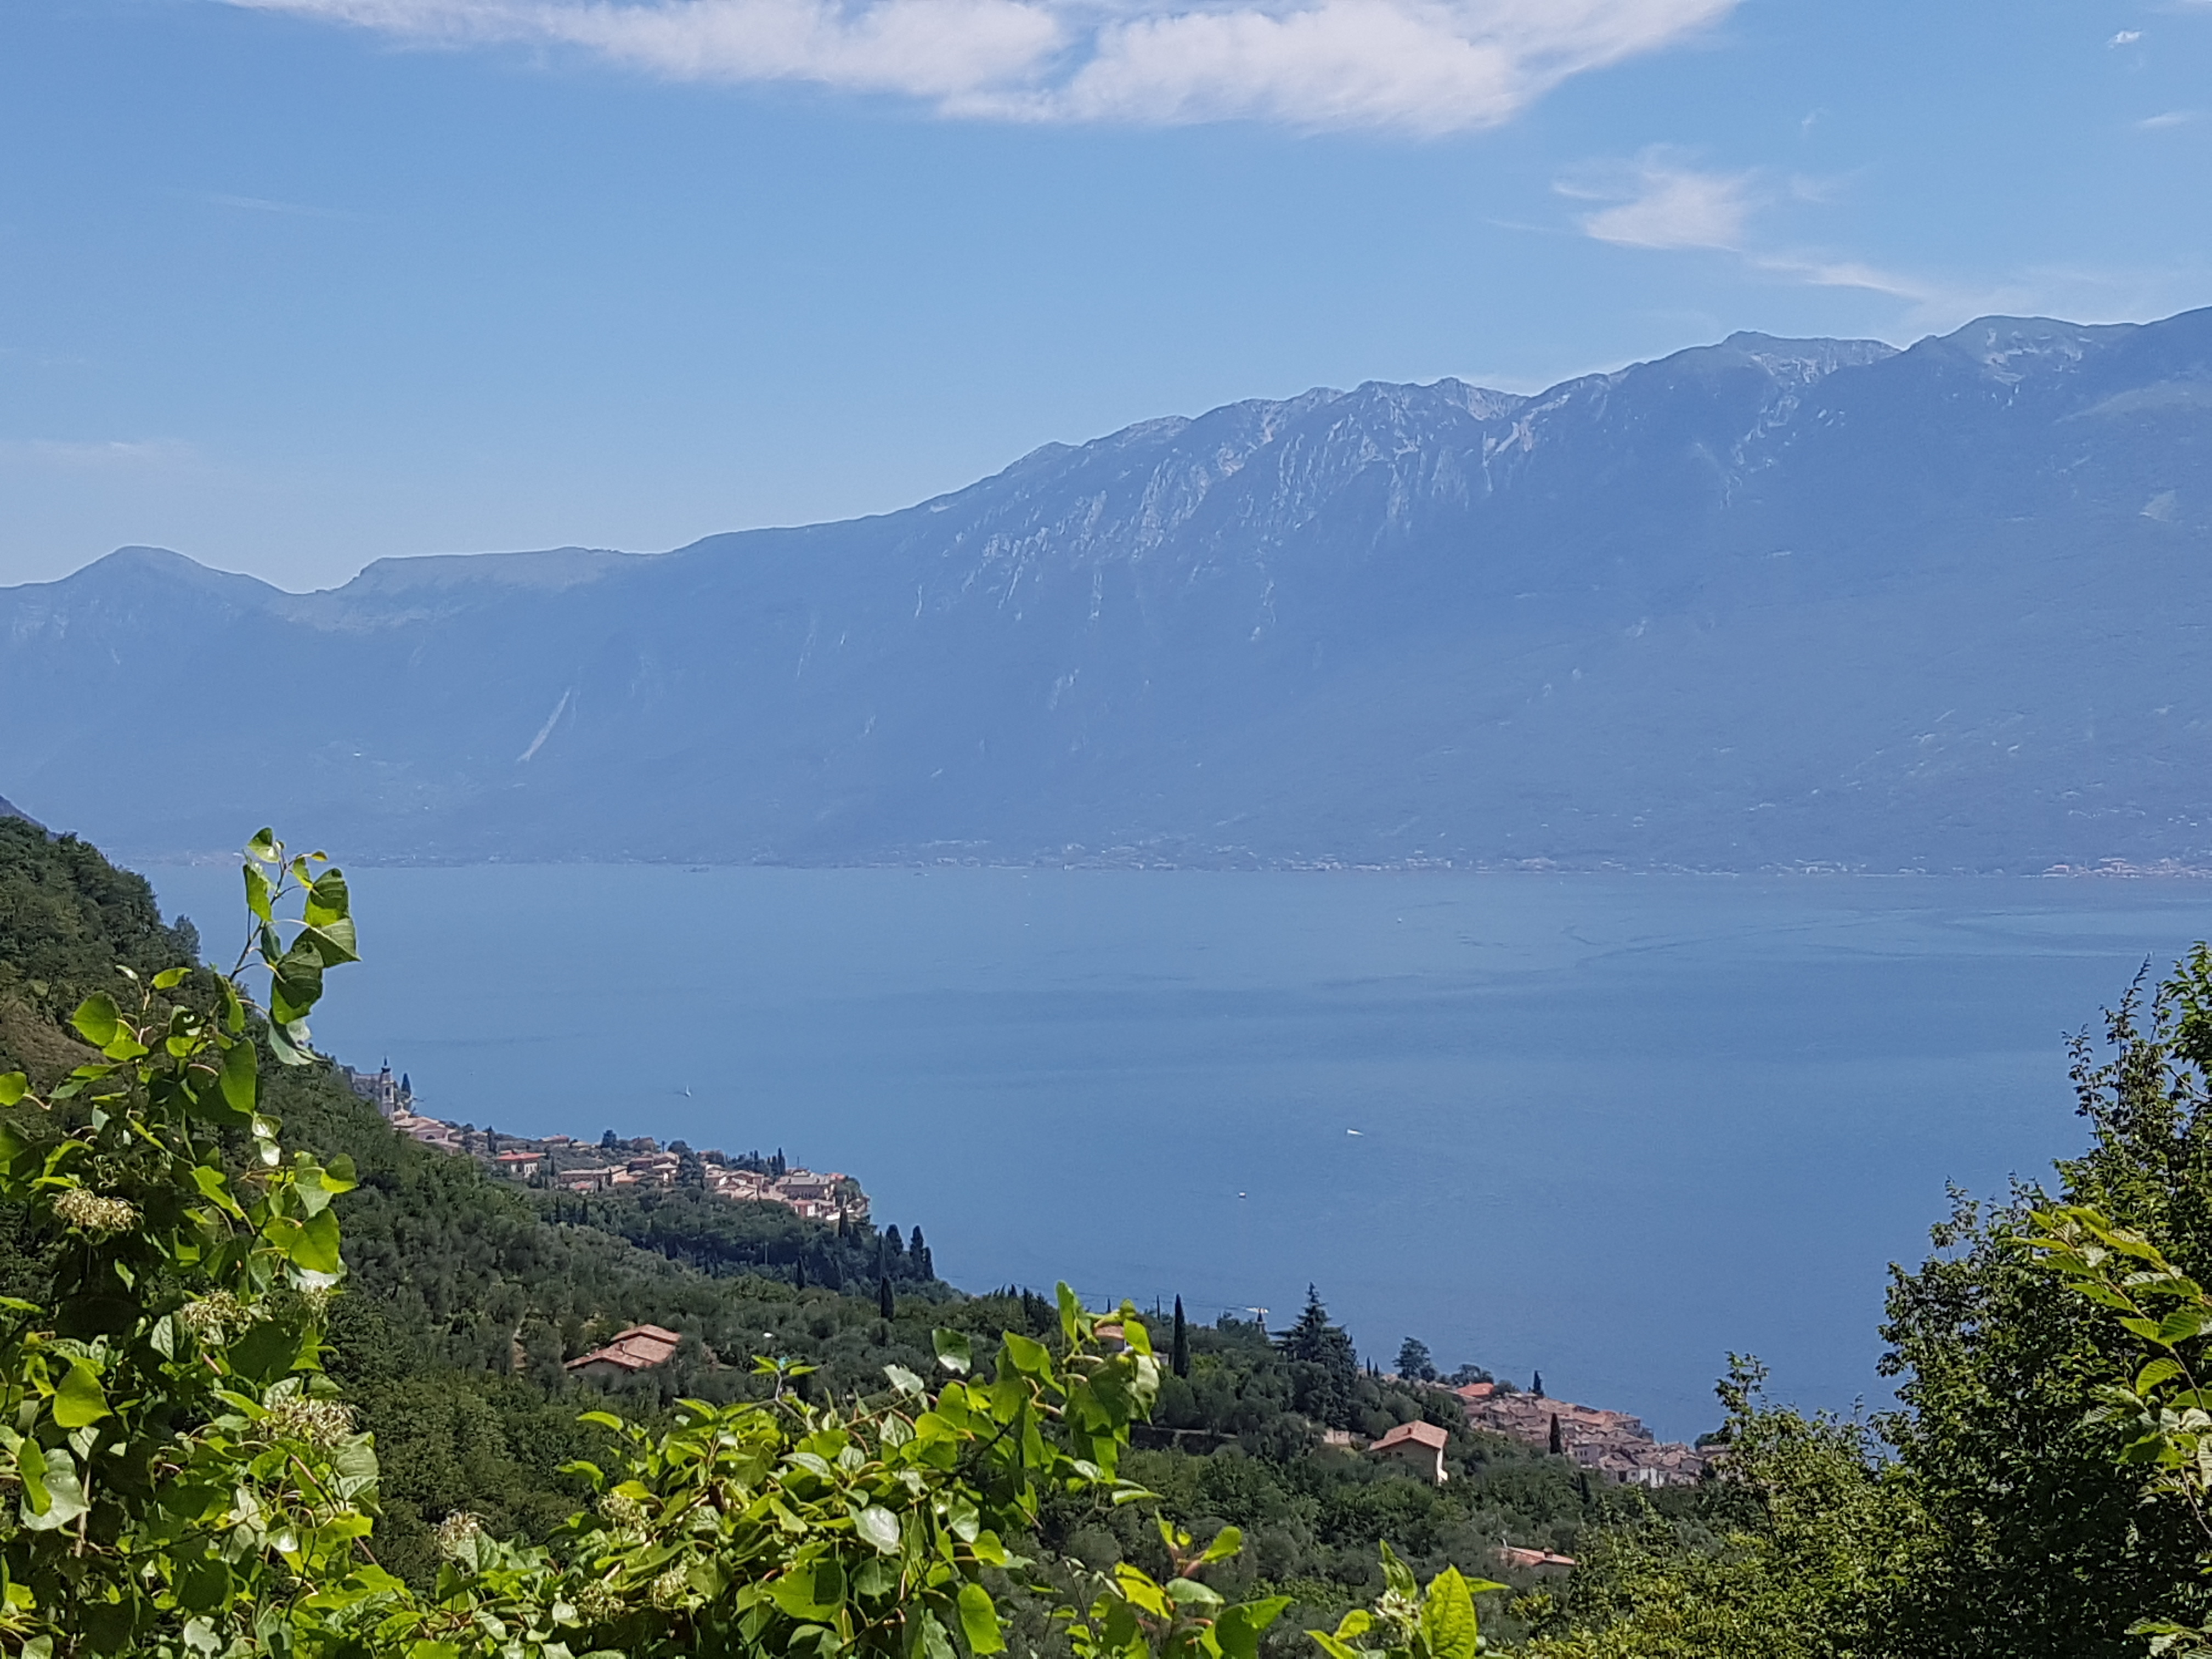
<point>1105,830</point>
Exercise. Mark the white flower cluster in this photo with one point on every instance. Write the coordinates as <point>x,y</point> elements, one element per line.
<point>456,1532</point>
<point>622,1512</point>
<point>83,1208</point>
<point>318,1422</point>
<point>671,1590</point>
<point>214,1316</point>
<point>598,1602</point>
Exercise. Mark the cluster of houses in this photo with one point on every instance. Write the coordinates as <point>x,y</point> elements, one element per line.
<point>567,1165</point>
<point>1611,1444</point>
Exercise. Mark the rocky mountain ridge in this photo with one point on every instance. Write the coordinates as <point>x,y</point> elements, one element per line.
<point>1768,602</point>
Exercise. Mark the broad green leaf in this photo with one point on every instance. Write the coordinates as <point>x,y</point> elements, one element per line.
<point>902,1379</point>
<point>242,1072</point>
<point>1334,1647</point>
<point>1226,1543</point>
<point>879,1527</point>
<point>1027,1355</point>
<point>31,1471</point>
<point>1398,1576</point>
<point>1188,1594</point>
<point>169,978</point>
<point>954,1352</point>
<point>256,894</point>
<point>979,1621</point>
<point>97,1019</point>
<point>216,1190</point>
<point>289,1043</point>
<point>1071,1311</point>
<point>1448,1618</point>
<point>2157,1371</point>
<point>1238,1628</point>
<point>328,900</point>
<point>64,1496</point>
<point>80,1400</point>
<point>315,1247</point>
<point>14,1086</point>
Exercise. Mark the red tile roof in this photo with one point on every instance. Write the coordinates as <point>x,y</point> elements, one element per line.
<point>1412,1434</point>
<point>640,1348</point>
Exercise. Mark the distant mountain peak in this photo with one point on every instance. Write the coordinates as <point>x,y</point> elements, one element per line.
<point>1766,602</point>
<point>9,810</point>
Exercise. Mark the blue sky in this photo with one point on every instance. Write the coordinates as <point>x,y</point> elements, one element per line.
<point>293,284</point>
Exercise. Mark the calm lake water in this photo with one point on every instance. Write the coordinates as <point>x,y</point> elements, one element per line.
<point>1610,1128</point>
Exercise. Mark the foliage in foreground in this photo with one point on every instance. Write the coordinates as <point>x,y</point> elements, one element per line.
<point>187,1481</point>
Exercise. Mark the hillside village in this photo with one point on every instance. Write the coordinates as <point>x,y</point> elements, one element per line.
<point>1608,1442</point>
<point>611,1164</point>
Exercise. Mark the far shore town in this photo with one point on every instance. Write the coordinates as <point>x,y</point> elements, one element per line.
<point>609,1164</point>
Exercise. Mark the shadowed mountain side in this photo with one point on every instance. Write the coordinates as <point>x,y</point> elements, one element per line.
<point>1763,603</point>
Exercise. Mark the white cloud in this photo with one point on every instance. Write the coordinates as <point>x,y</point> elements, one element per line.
<point>1661,201</point>
<point>2173,118</point>
<point>2125,38</point>
<point>72,455</point>
<point>1658,202</point>
<point>1422,65</point>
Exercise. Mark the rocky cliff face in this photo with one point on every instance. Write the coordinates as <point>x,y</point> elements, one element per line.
<point>1769,602</point>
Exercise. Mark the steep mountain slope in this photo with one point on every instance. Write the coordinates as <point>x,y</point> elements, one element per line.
<point>1766,602</point>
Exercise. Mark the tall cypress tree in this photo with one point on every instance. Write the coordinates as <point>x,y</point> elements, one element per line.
<point>1179,1351</point>
<point>923,1266</point>
<point>885,1305</point>
<point>1559,1440</point>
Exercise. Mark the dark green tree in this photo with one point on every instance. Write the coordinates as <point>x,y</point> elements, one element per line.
<point>1415,1362</point>
<point>918,1254</point>
<point>1557,1446</point>
<point>886,1305</point>
<point>2041,1543</point>
<point>1324,1368</point>
<point>1179,1349</point>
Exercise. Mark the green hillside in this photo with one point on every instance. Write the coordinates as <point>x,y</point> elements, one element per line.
<point>466,1293</point>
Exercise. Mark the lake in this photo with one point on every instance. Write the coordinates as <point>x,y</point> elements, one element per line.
<point>1606,1128</point>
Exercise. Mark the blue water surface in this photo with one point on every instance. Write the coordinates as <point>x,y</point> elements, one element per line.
<point>1607,1127</point>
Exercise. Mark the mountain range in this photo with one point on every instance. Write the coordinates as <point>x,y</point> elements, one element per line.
<point>1765,603</point>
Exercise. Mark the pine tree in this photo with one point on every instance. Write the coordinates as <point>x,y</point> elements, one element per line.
<point>885,1305</point>
<point>1325,1368</point>
<point>923,1268</point>
<point>1179,1351</point>
<point>1415,1362</point>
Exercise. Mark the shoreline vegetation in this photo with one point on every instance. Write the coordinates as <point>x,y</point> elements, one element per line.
<point>281,1380</point>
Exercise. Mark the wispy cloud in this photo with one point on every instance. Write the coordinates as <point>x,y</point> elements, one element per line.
<point>1428,66</point>
<point>262,204</point>
<point>2125,38</point>
<point>1663,201</point>
<point>1659,201</point>
<point>75,455</point>
<point>2173,118</point>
